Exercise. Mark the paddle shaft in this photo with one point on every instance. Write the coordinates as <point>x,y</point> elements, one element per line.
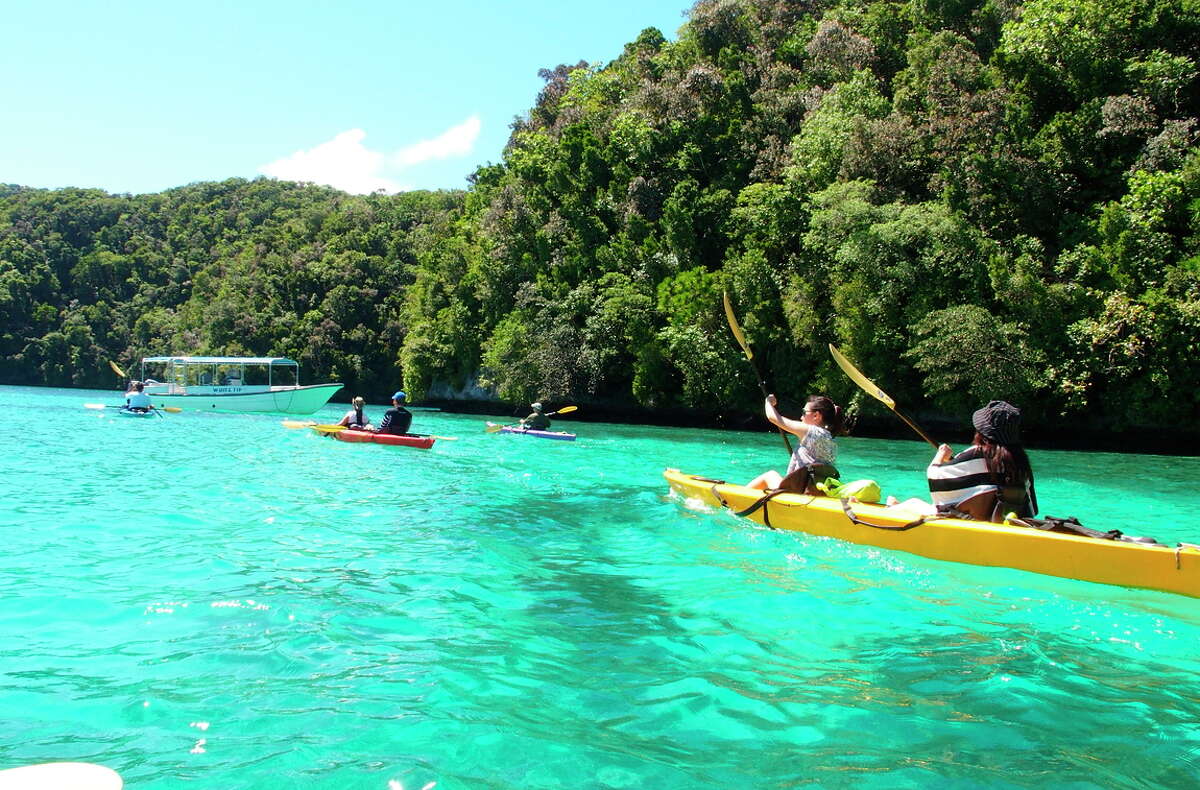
<point>495,428</point>
<point>913,425</point>
<point>740,337</point>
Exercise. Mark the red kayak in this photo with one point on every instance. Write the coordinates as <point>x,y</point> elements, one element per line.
<point>404,440</point>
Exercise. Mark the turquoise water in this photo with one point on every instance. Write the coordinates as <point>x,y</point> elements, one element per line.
<point>216,601</point>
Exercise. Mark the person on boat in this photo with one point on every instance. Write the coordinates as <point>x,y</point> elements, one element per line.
<point>355,418</point>
<point>986,481</point>
<point>137,400</point>
<point>397,419</point>
<point>822,420</point>
<point>537,420</point>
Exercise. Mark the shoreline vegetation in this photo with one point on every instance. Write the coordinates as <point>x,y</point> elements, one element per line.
<point>973,201</point>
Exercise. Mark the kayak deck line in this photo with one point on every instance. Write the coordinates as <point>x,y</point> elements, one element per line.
<point>1126,564</point>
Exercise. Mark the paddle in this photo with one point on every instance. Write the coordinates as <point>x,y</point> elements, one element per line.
<point>298,423</point>
<point>741,339</point>
<point>869,387</point>
<point>116,369</point>
<point>495,427</point>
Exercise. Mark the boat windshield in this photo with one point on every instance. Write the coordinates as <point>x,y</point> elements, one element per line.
<point>184,372</point>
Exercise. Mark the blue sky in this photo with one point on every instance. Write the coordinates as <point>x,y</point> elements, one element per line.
<point>136,96</point>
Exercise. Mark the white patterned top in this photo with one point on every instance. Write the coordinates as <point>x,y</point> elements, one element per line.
<point>817,447</point>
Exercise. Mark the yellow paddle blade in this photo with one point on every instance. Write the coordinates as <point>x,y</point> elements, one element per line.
<point>298,423</point>
<point>565,410</point>
<point>735,327</point>
<point>493,427</point>
<point>116,369</point>
<point>328,429</point>
<point>858,378</point>
<point>170,409</point>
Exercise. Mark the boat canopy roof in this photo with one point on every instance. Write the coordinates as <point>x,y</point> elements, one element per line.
<point>224,360</point>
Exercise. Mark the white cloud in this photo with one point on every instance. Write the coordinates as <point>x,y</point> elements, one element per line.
<point>454,142</point>
<point>345,163</point>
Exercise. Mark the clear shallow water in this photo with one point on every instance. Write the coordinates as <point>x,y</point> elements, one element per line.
<point>214,600</point>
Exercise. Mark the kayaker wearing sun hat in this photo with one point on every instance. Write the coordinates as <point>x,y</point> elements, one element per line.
<point>397,419</point>
<point>537,421</point>
<point>992,477</point>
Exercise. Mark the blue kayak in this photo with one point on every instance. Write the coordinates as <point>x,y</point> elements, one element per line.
<point>127,412</point>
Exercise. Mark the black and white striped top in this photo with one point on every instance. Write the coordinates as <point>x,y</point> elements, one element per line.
<point>964,476</point>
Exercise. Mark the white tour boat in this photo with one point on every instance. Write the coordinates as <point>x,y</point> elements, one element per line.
<point>232,384</point>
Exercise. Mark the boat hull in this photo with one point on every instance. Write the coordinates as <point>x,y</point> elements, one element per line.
<point>396,440</point>
<point>285,400</point>
<point>560,435</point>
<point>1175,570</point>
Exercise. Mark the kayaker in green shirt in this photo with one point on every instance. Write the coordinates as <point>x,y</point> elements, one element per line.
<point>537,421</point>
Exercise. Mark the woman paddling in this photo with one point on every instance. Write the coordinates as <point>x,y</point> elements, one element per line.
<point>355,419</point>
<point>989,479</point>
<point>822,421</point>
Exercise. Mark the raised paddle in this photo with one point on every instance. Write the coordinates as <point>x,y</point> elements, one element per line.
<point>495,427</point>
<point>116,369</point>
<point>741,339</point>
<point>869,387</point>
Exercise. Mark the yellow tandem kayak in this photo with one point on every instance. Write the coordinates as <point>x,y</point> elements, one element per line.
<point>1154,567</point>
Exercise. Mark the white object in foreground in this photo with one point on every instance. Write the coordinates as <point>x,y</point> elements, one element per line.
<point>61,776</point>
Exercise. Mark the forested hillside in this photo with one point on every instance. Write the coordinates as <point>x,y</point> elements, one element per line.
<point>972,199</point>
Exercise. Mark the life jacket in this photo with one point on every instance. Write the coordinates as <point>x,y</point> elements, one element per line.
<point>358,420</point>
<point>804,479</point>
<point>1013,499</point>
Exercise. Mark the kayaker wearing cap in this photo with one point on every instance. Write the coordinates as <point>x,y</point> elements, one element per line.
<point>815,430</point>
<point>355,418</point>
<point>397,419</point>
<point>989,479</point>
<point>537,421</point>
